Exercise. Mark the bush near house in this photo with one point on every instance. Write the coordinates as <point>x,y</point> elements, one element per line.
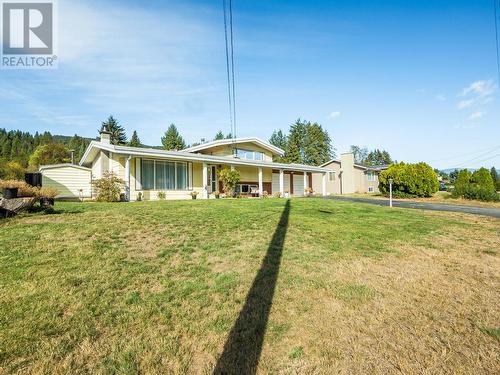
<point>108,188</point>
<point>475,186</point>
<point>229,179</point>
<point>409,180</point>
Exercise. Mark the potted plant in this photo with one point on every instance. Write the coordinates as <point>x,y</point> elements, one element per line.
<point>308,192</point>
<point>265,194</point>
<point>217,194</point>
<point>161,195</point>
<point>46,196</point>
<point>16,189</point>
<point>194,194</point>
<point>287,194</point>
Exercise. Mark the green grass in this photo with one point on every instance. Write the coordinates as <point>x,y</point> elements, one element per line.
<point>157,286</point>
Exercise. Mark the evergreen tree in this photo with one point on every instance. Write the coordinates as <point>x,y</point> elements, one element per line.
<point>294,152</point>
<point>135,141</point>
<point>495,177</point>
<point>229,136</point>
<point>317,145</point>
<point>378,158</point>
<point>219,136</point>
<point>172,140</point>
<point>118,136</point>
<point>279,139</point>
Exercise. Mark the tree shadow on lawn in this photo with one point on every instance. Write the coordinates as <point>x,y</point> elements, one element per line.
<point>243,346</point>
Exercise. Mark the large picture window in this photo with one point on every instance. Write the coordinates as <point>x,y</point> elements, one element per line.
<point>164,175</point>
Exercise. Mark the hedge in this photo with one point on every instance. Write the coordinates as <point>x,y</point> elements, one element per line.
<point>409,180</point>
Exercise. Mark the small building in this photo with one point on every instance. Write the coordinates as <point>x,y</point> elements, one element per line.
<point>72,181</point>
<point>347,177</point>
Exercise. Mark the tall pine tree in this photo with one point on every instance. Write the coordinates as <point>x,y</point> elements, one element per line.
<point>279,139</point>
<point>118,136</point>
<point>172,140</point>
<point>134,141</point>
<point>219,136</point>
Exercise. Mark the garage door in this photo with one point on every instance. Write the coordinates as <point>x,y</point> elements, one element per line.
<point>298,185</point>
<point>276,182</point>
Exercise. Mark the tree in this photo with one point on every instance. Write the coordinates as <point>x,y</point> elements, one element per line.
<point>219,136</point>
<point>360,154</point>
<point>482,177</point>
<point>378,158</point>
<point>495,177</point>
<point>294,152</point>
<point>172,140</point>
<point>229,179</point>
<point>51,153</point>
<point>118,136</point>
<point>453,176</point>
<point>409,180</point>
<point>317,145</point>
<point>229,136</point>
<point>134,141</point>
<point>12,170</point>
<point>279,139</point>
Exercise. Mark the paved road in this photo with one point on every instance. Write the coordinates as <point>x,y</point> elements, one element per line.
<point>494,212</point>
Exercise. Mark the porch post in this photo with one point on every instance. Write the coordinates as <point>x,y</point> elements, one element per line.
<point>127,178</point>
<point>232,167</point>
<point>261,184</point>
<point>324,184</point>
<point>305,181</point>
<point>205,179</point>
<point>282,182</point>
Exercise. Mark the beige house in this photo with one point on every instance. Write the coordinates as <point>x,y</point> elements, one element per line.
<point>149,171</point>
<point>347,177</point>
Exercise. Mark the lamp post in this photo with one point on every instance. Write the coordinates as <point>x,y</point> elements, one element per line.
<point>390,191</point>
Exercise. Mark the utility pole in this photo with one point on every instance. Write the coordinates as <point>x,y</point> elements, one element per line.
<point>72,156</point>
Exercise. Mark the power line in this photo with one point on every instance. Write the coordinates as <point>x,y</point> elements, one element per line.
<point>228,24</point>
<point>475,160</point>
<point>229,93</point>
<point>232,64</point>
<point>464,155</point>
<point>496,38</point>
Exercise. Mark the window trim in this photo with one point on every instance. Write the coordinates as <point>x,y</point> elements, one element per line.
<point>330,174</point>
<point>189,174</point>
<point>248,152</point>
<point>370,176</point>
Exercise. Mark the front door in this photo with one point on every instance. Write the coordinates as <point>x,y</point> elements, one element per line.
<point>212,179</point>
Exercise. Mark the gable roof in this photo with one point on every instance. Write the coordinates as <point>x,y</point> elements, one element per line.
<point>376,168</point>
<point>63,165</point>
<point>231,141</point>
<point>95,146</point>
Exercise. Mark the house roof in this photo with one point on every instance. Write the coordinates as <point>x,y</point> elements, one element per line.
<point>64,165</point>
<point>96,146</point>
<point>223,142</point>
<point>376,168</point>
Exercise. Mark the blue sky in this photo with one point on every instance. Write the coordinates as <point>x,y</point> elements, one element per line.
<point>417,78</point>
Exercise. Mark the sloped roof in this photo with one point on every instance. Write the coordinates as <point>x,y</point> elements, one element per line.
<point>233,141</point>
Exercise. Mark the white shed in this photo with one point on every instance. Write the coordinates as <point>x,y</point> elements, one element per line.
<point>72,181</point>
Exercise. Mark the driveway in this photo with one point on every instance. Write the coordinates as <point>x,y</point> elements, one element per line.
<point>494,212</point>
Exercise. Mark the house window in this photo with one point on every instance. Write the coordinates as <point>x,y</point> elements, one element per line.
<point>331,176</point>
<point>164,175</point>
<point>370,176</point>
<point>247,154</point>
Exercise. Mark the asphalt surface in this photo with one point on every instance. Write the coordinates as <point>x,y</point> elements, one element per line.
<point>494,212</point>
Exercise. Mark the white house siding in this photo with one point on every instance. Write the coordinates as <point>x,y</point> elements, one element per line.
<point>68,180</point>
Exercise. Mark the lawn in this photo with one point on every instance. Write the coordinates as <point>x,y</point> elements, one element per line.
<point>242,286</point>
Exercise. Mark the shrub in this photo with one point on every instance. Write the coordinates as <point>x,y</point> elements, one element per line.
<point>409,180</point>
<point>108,188</point>
<point>24,190</point>
<point>277,194</point>
<point>12,170</point>
<point>478,185</point>
<point>265,194</point>
<point>47,192</point>
<point>161,195</point>
<point>229,180</point>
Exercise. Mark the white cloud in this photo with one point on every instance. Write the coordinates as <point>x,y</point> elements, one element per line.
<point>479,88</point>
<point>440,98</point>
<point>476,115</point>
<point>465,103</point>
<point>334,115</point>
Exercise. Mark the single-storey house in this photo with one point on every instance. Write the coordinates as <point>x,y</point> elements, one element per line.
<point>149,171</point>
<point>347,177</point>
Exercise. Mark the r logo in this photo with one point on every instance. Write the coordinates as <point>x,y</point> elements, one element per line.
<point>27,28</point>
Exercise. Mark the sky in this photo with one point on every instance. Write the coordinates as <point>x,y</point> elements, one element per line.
<point>417,78</point>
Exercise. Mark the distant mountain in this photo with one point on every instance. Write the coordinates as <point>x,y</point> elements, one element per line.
<point>449,170</point>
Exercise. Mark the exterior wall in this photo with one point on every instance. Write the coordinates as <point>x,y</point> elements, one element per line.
<point>68,181</point>
<point>227,150</point>
<point>349,179</point>
<point>332,187</point>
